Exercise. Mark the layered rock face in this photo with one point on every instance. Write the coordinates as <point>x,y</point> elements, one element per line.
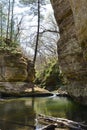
<point>71,16</point>
<point>15,67</point>
<point>16,71</point>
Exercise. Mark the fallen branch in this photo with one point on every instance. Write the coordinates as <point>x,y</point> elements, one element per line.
<point>48,30</point>
<point>48,127</point>
<point>60,123</point>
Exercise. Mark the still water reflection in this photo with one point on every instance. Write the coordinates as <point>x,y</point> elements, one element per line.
<point>24,111</point>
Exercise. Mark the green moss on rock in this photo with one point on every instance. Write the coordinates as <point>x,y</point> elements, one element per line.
<point>50,78</point>
<point>14,66</point>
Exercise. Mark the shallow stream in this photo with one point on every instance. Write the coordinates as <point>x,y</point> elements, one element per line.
<point>18,114</point>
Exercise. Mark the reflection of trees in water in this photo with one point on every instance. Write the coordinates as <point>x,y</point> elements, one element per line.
<point>52,107</point>
<point>77,112</point>
<point>17,111</point>
<point>23,110</point>
<point>40,106</point>
<point>61,107</point>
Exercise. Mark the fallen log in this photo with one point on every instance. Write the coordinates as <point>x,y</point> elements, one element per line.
<point>60,123</point>
<point>48,127</point>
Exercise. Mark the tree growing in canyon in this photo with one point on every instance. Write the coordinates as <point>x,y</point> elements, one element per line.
<point>37,37</point>
<point>46,33</point>
<point>9,27</point>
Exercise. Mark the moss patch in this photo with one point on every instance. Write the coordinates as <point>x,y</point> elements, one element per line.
<point>50,78</point>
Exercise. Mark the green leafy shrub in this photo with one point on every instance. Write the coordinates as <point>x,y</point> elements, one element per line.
<point>5,43</point>
<point>50,78</point>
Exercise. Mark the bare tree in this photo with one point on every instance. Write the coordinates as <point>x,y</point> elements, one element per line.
<point>38,29</point>
<point>12,20</point>
<point>18,29</point>
<point>1,20</point>
<point>8,19</point>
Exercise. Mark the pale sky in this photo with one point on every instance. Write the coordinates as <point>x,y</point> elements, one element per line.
<point>29,20</point>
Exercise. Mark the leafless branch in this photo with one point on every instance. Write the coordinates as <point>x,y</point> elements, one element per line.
<point>48,30</point>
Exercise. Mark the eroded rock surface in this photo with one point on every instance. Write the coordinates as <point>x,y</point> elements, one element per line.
<point>15,67</point>
<point>71,16</point>
<point>16,71</point>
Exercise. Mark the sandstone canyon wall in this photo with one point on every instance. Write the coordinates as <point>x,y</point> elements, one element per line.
<point>71,16</point>
<point>16,72</point>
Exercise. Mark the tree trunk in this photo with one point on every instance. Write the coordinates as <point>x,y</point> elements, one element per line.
<point>11,32</point>
<point>60,123</point>
<point>17,35</point>
<point>1,24</point>
<point>37,38</point>
<point>8,20</point>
